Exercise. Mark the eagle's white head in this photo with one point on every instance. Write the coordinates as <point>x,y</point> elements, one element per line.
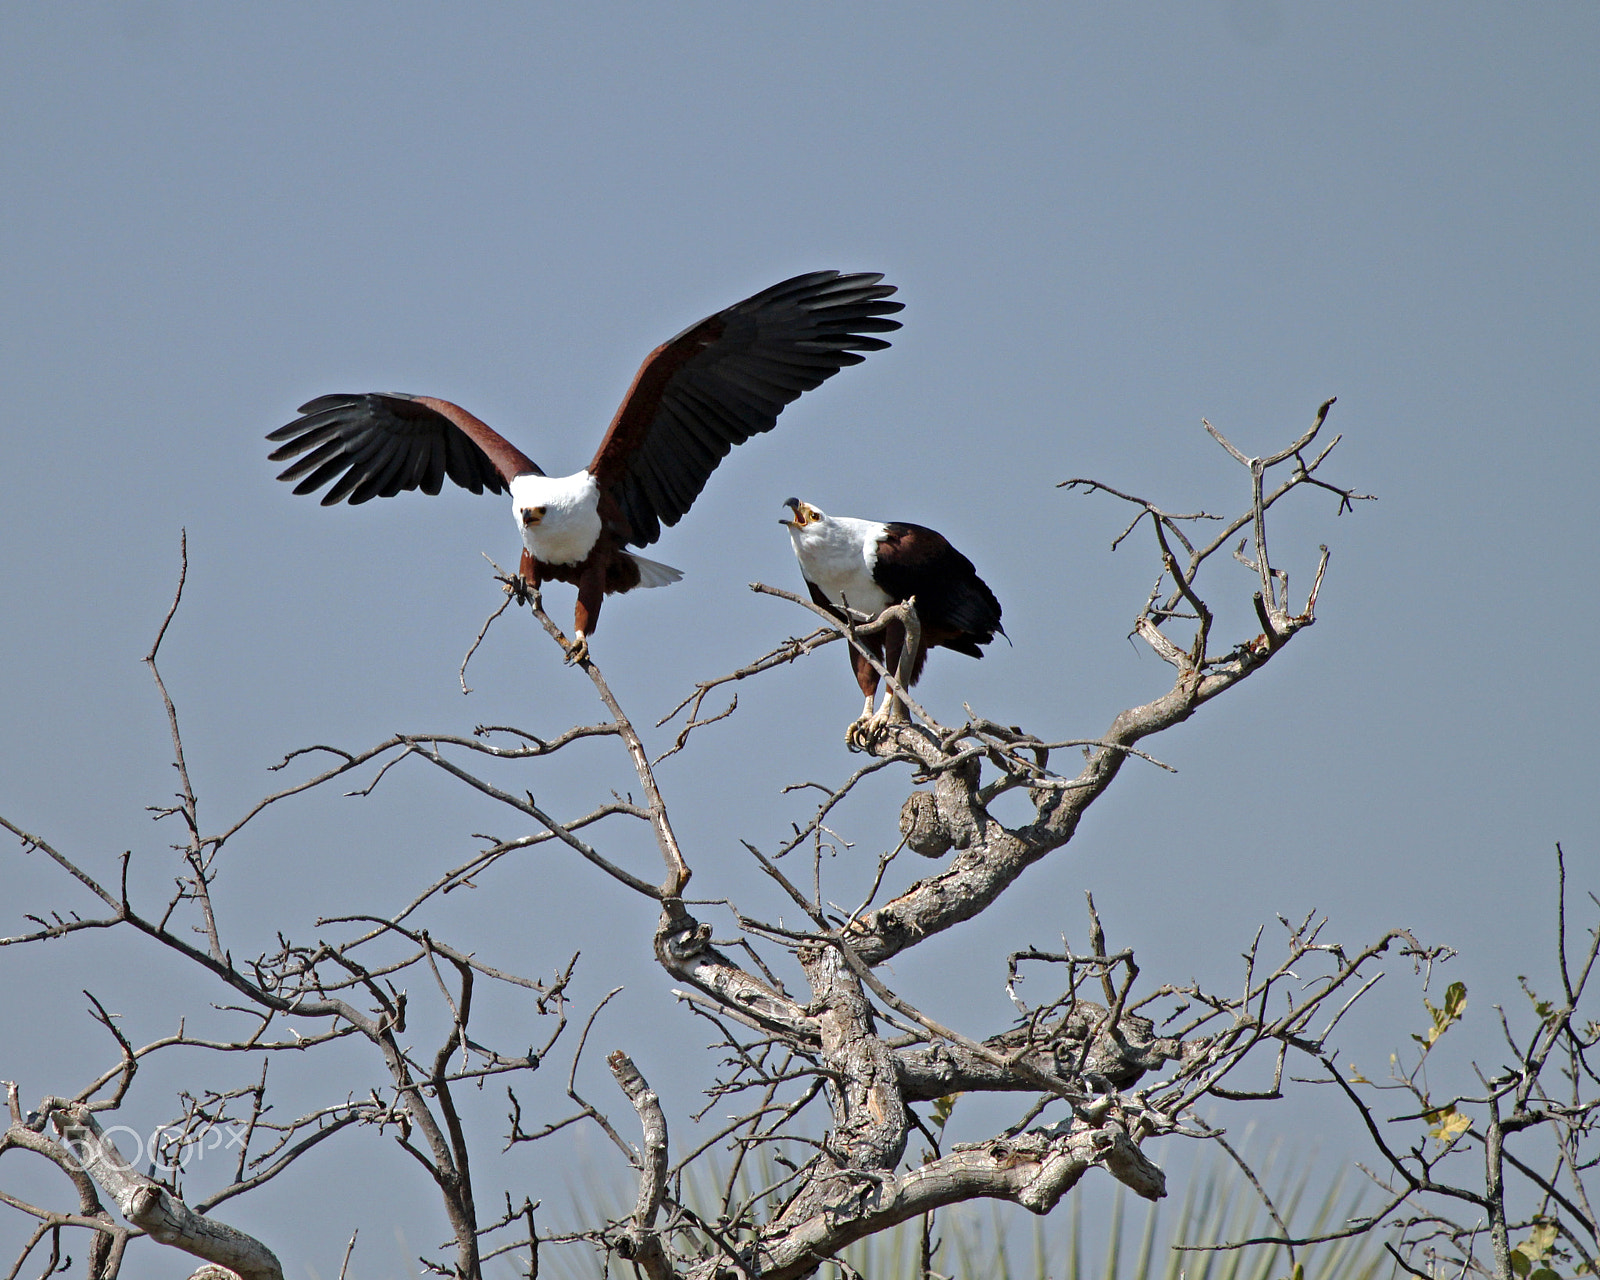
<point>804,514</point>
<point>559,516</point>
<point>811,529</point>
<point>838,554</point>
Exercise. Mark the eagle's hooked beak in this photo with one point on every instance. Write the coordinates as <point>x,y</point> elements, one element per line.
<point>795,505</point>
<point>532,515</point>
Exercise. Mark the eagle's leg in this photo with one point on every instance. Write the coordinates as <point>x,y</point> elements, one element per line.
<point>895,653</point>
<point>861,732</point>
<point>586,614</point>
<point>900,646</point>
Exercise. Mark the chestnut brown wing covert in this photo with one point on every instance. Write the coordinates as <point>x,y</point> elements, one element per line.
<point>726,379</point>
<point>375,445</point>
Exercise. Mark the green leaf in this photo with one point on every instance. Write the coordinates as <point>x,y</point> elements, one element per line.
<point>1546,1009</point>
<point>1447,1015</point>
<point>1544,1273</point>
<point>1356,1077</point>
<point>942,1107</point>
<point>1519,1262</point>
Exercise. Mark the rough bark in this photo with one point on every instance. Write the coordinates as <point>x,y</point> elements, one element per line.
<point>150,1207</point>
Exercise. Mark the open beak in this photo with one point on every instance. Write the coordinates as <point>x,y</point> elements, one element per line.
<point>794,505</point>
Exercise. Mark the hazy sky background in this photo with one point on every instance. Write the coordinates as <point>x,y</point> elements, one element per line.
<point>1105,223</point>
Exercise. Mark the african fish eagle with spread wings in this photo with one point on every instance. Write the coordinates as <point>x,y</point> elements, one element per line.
<point>868,565</point>
<point>715,385</point>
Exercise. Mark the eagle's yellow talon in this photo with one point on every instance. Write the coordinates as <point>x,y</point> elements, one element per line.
<point>867,730</point>
<point>521,590</point>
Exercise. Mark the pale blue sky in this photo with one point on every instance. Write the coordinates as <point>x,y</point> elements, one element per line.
<point>1105,223</point>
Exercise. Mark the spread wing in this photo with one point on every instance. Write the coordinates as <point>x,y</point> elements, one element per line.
<point>385,443</point>
<point>726,379</point>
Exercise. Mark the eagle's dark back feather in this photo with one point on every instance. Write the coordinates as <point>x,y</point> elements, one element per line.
<point>955,605</point>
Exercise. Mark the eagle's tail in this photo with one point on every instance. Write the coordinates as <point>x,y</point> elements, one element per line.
<point>652,573</point>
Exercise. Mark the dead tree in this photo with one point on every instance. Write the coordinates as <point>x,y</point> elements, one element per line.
<point>292,1001</point>
<point>830,1082</point>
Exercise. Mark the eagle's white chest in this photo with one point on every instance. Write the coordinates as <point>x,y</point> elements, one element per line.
<point>838,553</point>
<point>567,530</point>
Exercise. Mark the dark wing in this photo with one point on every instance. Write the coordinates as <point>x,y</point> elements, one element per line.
<point>957,608</point>
<point>726,379</point>
<point>385,443</point>
<point>819,597</point>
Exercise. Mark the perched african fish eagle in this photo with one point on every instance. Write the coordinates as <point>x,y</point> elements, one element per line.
<point>869,565</point>
<point>715,385</point>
